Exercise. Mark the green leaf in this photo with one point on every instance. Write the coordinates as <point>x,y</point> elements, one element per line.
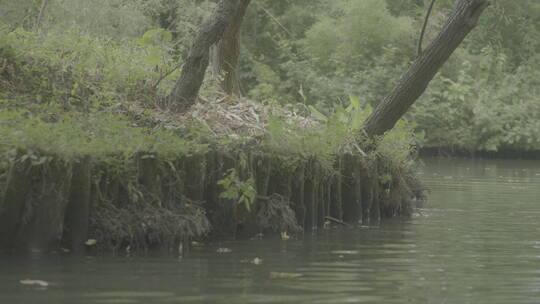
<point>356,121</point>
<point>152,59</point>
<point>154,35</point>
<point>355,104</point>
<point>320,116</point>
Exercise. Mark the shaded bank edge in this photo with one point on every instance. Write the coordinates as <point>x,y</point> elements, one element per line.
<point>147,202</point>
<point>499,154</point>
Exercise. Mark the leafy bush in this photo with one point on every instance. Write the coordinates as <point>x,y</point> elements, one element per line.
<point>72,135</point>
<point>243,193</point>
<point>356,36</point>
<point>487,107</point>
<point>99,64</point>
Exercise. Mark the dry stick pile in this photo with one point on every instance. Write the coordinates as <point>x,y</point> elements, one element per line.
<point>228,117</point>
<point>242,117</point>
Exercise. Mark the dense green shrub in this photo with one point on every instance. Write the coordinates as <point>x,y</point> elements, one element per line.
<point>487,107</point>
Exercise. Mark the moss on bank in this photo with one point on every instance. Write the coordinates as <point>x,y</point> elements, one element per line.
<point>85,155</point>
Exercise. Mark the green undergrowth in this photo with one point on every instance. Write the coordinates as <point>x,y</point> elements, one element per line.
<point>72,71</point>
<point>68,93</point>
<point>66,99</point>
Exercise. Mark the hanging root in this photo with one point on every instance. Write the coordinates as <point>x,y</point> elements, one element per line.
<point>144,226</point>
<point>275,213</point>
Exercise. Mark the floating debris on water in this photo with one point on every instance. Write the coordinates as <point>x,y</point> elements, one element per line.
<point>258,236</point>
<point>285,275</point>
<point>223,250</point>
<point>38,283</point>
<point>90,242</point>
<point>345,252</point>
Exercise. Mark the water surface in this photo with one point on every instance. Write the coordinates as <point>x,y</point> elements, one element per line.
<point>477,240</point>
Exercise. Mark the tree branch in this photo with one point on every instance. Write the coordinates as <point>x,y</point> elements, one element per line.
<point>41,13</point>
<point>424,27</point>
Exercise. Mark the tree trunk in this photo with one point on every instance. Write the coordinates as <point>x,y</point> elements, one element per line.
<point>186,89</point>
<point>415,80</point>
<point>227,51</point>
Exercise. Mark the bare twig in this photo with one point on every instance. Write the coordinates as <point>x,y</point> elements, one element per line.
<point>163,76</point>
<point>422,33</point>
<point>274,19</point>
<point>41,13</point>
<point>337,221</point>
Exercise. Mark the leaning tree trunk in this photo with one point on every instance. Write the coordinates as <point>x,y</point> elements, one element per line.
<point>227,51</point>
<point>186,89</point>
<point>415,80</point>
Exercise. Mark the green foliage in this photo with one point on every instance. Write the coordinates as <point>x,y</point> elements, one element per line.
<point>511,28</point>
<point>73,135</point>
<point>243,193</point>
<point>485,97</point>
<point>339,51</point>
<point>310,55</point>
<point>355,36</point>
<point>338,132</point>
<point>113,18</point>
<point>116,18</point>
<point>399,144</point>
<point>21,13</point>
<point>321,141</point>
<point>354,115</point>
<point>180,17</point>
<point>269,82</point>
<point>67,94</point>
<point>79,69</point>
<point>486,107</point>
<point>154,36</point>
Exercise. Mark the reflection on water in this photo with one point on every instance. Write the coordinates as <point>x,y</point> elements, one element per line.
<point>476,241</point>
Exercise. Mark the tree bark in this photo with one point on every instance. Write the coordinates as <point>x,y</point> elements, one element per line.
<point>416,79</point>
<point>186,89</point>
<point>227,51</point>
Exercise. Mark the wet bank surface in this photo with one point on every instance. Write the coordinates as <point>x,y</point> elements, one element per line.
<point>477,240</point>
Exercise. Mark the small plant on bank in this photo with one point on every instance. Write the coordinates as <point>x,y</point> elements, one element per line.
<point>242,192</point>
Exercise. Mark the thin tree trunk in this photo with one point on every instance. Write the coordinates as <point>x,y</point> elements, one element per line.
<point>416,79</point>
<point>186,90</point>
<point>227,51</point>
<point>41,13</point>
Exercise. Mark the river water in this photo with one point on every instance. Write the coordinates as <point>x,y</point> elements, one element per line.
<point>477,240</point>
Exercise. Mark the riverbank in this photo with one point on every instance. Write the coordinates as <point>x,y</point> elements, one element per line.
<point>153,202</point>
<point>63,184</point>
<point>91,155</point>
